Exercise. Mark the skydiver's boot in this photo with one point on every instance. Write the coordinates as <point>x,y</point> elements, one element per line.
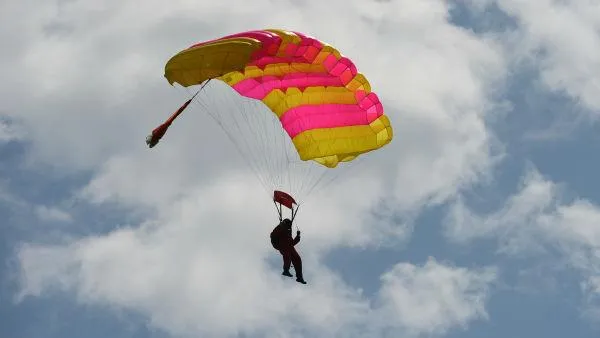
<point>287,273</point>
<point>300,277</point>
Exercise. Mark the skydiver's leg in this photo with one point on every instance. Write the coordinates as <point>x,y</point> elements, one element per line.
<point>285,254</point>
<point>297,261</point>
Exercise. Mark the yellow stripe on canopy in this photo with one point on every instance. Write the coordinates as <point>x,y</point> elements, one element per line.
<point>329,146</point>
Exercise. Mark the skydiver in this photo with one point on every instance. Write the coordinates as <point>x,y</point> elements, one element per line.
<point>281,239</point>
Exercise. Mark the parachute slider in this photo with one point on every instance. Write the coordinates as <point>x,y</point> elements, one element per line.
<point>283,199</point>
<point>286,200</point>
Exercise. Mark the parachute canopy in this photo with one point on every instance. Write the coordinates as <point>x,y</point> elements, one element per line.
<point>324,104</point>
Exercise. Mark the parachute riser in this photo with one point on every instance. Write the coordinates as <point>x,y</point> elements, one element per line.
<point>295,212</point>
<point>280,211</point>
<point>278,208</point>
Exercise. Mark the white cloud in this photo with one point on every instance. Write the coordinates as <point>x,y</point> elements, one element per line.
<point>562,38</point>
<point>538,220</point>
<point>511,222</point>
<point>52,214</point>
<point>439,79</point>
<point>434,298</point>
<point>9,132</point>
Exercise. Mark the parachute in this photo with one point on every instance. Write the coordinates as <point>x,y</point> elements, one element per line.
<point>293,105</point>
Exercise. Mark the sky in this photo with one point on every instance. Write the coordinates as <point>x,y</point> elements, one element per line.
<point>480,219</point>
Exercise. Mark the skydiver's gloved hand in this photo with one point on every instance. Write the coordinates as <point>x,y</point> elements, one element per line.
<point>298,233</point>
